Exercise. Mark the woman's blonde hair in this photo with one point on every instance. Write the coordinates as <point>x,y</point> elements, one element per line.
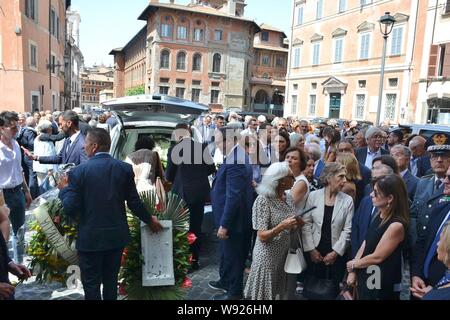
<point>445,241</point>
<point>351,164</point>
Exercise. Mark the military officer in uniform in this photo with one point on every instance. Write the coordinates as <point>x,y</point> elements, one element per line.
<point>430,188</point>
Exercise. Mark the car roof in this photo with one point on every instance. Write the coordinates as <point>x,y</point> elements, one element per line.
<point>135,110</point>
<point>144,101</point>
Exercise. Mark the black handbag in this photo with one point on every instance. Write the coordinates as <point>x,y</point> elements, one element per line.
<point>320,289</point>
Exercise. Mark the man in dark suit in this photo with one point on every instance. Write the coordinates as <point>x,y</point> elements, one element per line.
<point>426,269</point>
<point>366,212</point>
<point>420,164</point>
<point>25,139</point>
<point>73,147</point>
<point>189,164</point>
<point>7,265</point>
<point>402,154</point>
<point>232,200</point>
<point>374,138</point>
<point>96,194</point>
<point>429,189</point>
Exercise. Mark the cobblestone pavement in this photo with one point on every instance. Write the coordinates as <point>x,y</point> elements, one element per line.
<point>209,266</point>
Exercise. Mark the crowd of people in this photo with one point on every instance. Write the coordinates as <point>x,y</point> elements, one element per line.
<point>352,199</point>
<point>375,198</point>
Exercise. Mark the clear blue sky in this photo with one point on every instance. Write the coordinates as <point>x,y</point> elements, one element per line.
<point>108,24</point>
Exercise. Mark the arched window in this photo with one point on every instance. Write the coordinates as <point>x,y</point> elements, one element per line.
<point>181,61</point>
<point>216,62</point>
<point>197,62</point>
<point>165,59</point>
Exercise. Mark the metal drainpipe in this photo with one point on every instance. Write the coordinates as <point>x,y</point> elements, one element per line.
<point>288,76</point>
<point>49,46</point>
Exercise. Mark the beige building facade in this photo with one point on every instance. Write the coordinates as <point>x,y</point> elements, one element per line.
<point>202,52</point>
<point>433,103</point>
<point>335,59</point>
<point>32,40</point>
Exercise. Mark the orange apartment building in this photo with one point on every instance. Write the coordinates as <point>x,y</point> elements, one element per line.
<point>32,40</point>
<point>93,81</point>
<point>268,78</point>
<point>202,52</point>
<point>335,59</point>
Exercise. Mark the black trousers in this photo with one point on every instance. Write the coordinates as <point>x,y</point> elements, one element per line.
<point>98,268</point>
<point>196,212</point>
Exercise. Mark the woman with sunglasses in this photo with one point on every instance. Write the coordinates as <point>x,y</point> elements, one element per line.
<point>377,267</point>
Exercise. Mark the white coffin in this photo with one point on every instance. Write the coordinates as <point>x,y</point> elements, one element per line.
<point>157,249</point>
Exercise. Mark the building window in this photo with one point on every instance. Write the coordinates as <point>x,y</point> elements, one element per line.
<point>442,59</point>
<point>54,23</point>
<point>316,54</point>
<point>312,105</point>
<point>393,82</point>
<point>319,10</point>
<point>52,64</point>
<point>391,103</point>
<point>198,34</point>
<point>360,104</point>
<point>265,60</point>
<point>196,82</point>
<point>197,62</point>
<point>295,87</point>
<point>165,59</point>
<point>181,61</point>
<point>180,93</point>
<point>163,90</point>
<point>364,46</point>
<point>342,5</point>
<point>34,101</point>
<point>166,30</point>
<point>265,36</point>
<point>182,32</point>
<point>215,96</point>
<point>218,35</point>
<point>54,102</point>
<point>362,83</point>
<point>31,9</point>
<point>195,95</point>
<point>164,80</point>
<point>294,105</point>
<point>280,61</point>
<point>365,2</point>
<point>180,81</point>
<point>396,42</point>
<point>33,56</point>
<point>338,48</point>
<point>296,60</point>
<point>299,15</point>
<point>313,85</point>
<point>216,62</point>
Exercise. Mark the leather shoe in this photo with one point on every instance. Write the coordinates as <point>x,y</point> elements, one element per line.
<point>195,265</point>
<point>217,285</point>
<point>225,296</point>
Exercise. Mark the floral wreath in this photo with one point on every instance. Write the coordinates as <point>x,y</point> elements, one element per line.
<point>49,266</point>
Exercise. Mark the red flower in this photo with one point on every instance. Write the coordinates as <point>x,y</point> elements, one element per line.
<point>187,283</point>
<point>191,238</point>
<point>191,258</point>
<point>125,251</point>
<point>159,207</point>
<point>122,289</point>
<point>124,257</point>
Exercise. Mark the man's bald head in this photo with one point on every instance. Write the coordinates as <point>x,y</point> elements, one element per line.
<point>417,146</point>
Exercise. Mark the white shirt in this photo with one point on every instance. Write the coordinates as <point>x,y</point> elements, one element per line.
<point>74,137</point>
<point>370,156</point>
<point>10,164</point>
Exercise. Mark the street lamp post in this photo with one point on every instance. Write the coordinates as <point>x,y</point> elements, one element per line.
<point>386,24</point>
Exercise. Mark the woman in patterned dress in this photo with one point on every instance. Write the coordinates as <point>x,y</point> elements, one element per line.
<point>273,218</point>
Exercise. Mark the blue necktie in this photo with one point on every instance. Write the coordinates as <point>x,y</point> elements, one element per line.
<point>433,248</point>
